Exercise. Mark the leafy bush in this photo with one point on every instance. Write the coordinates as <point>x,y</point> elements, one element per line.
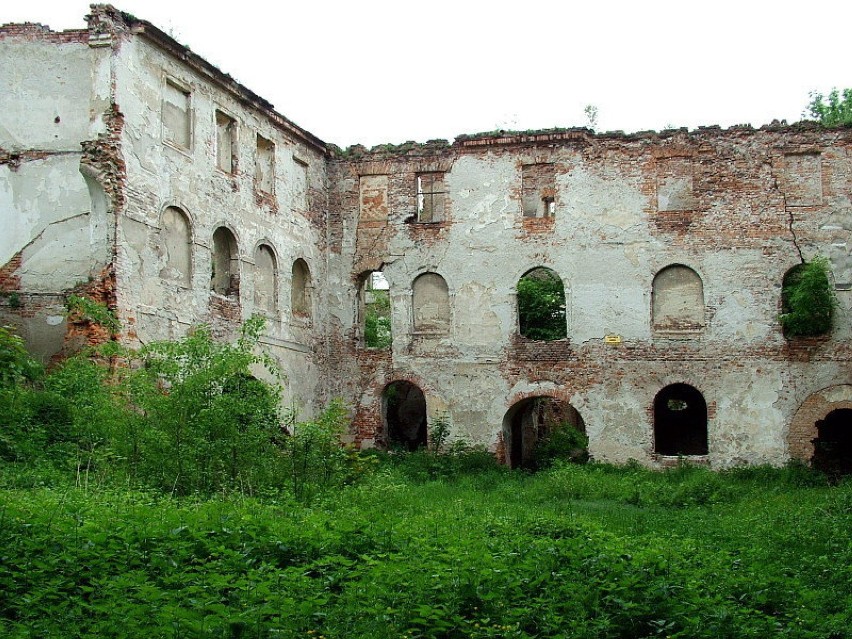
<point>457,460</point>
<point>807,299</point>
<point>184,416</point>
<point>541,305</point>
<point>563,442</point>
<point>209,423</point>
<point>315,459</point>
<point>16,364</point>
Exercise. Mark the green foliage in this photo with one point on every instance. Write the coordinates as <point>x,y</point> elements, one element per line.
<point>377,320</point>
<point>16,364</point>
<point>563,553</point>
<point>807,299</point>
<point>563,442</point>
<point>315,459</point>
<point>14,299</point>
<point>94,312</point>
<point>835,109</point>
<point>458,461</point>
<point>439,432</point>
<point>182,417</point>
<point>208,424</point>
<point>541,305</point>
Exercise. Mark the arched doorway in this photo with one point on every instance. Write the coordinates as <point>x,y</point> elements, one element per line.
<point>680,421</point>
<point>833,444</point>
<point>822,422</point>
<point>404,416</point>
<point>537,430</point>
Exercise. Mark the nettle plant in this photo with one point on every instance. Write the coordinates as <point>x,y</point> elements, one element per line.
<point>807,300</point>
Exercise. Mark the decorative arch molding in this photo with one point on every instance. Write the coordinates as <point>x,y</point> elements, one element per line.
<point>265,241</point>
<point>183,208</point>
<point>241,246</point>
<point>540,388</point>
<point>426,269</point>
<point>803,427</point>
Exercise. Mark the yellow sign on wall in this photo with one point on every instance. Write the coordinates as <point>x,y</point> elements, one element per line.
<point>612,339</point>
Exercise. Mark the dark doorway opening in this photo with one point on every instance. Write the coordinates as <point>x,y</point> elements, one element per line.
<point>833,444</point>
<point>404,416</point>
<point>680,421</point>
<point>539,430</point>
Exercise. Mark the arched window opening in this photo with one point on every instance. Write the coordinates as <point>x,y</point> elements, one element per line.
<point>539,430</point>
<point>677,299</point>
<point>833,444</point>
<point>541,305</point>
<point>680,421</point>
<point>265,279</point>
<point>431,304</point>
<point>374,310</point>
<point>807,300</point>
<point>225,272</point>
<point>404,413</point>
<point>300,293</point>
<point>176,245</point>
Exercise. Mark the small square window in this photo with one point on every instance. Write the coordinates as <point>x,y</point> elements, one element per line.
<point>431,197</point>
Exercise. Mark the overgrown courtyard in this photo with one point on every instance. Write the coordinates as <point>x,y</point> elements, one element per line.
<point>154,493</point>
<point>575,551</point>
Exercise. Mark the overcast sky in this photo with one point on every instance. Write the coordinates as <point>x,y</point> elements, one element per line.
<point>389,71</point>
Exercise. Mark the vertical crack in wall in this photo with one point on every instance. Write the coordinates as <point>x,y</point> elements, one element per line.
<point>789,213</point>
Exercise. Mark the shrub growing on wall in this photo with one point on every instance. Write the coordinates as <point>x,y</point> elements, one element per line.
<point>807,299</point>
<point>541,305</point>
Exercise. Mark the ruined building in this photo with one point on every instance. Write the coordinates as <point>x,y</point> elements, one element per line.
<point>134,172</point>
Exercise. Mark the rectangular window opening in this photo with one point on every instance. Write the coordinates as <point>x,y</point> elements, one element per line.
<point>226,142</point>
<point>265,165</point>
<point>431,197</point>
<point>538,190</point>
<point>177,115</point>
<point>302,182</point>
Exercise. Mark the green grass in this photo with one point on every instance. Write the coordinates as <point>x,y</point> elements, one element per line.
<point>573,552</point>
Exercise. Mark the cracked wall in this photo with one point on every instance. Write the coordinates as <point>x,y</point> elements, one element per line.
<point>708,213</point>
<point>124,161</point>
<point>136,172</point>
<point>55,214</point>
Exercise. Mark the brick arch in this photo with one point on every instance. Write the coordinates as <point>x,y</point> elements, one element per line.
<point>522,429</point>
<point>816,407</point>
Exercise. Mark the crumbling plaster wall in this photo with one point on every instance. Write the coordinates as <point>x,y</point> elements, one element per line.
<point>290,219</point>
<point>615,226</point>
<point>57,227</point>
